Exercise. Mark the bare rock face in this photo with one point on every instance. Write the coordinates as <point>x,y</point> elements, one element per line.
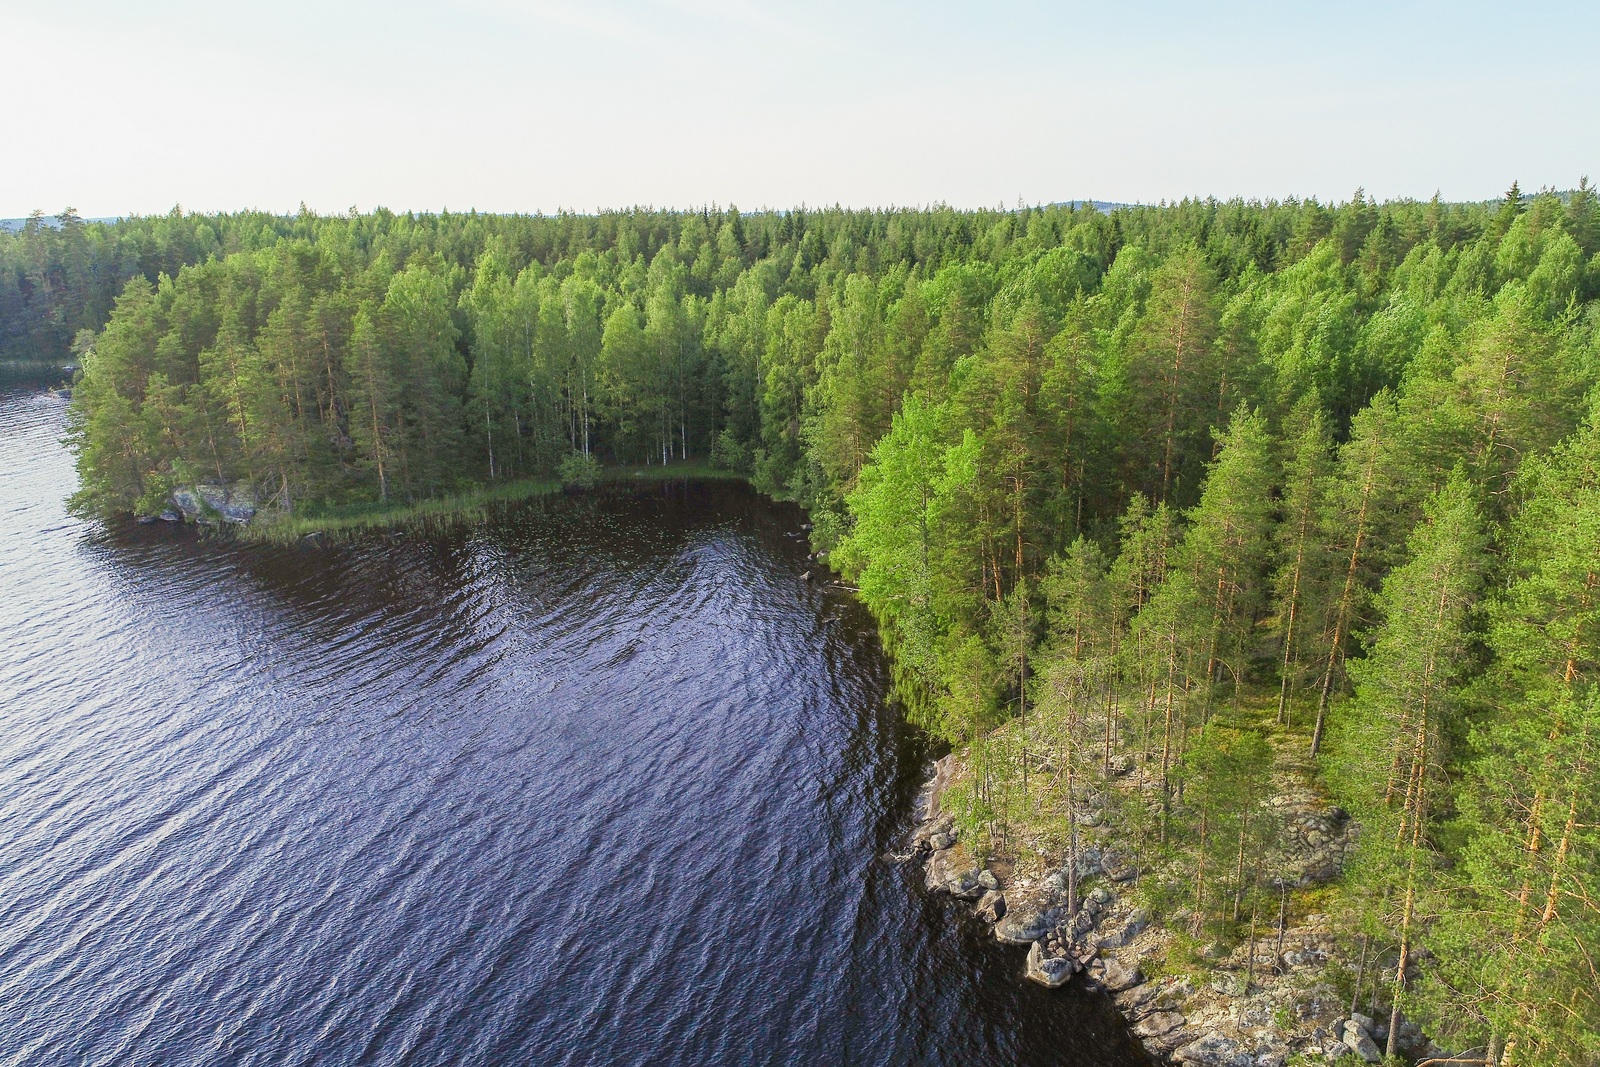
<point>1115,934</point>
<point>1262,1003</point>
<point>1138,1001</point>
<point>929,810</point>
<point>1214,1050</point>
<point>1157,1024</point>
<point>1315,837</point>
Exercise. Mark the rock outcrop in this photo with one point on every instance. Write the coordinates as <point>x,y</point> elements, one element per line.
<point>1259,1005</point>
<point>212,503</point>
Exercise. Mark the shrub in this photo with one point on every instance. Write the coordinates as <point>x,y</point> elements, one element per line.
<point>579,471</point>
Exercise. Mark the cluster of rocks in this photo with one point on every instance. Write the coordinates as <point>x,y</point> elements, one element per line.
<point>1315,838</point>
<point>1262,1003</point>
<point>823,571</point>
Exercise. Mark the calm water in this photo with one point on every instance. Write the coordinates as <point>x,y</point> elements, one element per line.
<point>593,782</point>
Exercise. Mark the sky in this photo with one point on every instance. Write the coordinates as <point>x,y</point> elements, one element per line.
<point>539,105</point>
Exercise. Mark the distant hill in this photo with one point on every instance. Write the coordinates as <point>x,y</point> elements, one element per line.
<point>1103,206</point>
<point>13,225</point>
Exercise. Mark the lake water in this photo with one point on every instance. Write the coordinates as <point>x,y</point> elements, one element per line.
<point>593,781</point>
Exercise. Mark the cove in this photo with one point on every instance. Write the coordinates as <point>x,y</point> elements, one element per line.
<point>590,780</point>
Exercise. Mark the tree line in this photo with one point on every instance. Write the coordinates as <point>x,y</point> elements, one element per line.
<point>1189,485</point>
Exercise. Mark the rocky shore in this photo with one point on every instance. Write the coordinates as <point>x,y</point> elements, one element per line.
<point>1272,1003</point>
<point>208,503</point>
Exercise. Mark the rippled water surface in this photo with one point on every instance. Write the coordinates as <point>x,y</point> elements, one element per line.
<point>594,781</point>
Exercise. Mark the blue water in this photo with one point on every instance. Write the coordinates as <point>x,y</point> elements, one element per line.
<point>590,781</point>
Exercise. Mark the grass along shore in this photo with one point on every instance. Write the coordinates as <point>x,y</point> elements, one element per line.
<point>453,507</point>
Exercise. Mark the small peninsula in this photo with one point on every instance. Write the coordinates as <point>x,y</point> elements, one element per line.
<point>1245,556</point>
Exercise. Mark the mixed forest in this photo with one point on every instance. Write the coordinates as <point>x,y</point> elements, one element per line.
<point>1163,482</point>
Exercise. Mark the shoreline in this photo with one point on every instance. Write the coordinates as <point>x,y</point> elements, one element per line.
<point>212,505</point>
<point>1274,1003</point>
<point>1114,944</point>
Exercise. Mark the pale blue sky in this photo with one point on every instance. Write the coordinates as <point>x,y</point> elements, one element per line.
<point>529,105</point>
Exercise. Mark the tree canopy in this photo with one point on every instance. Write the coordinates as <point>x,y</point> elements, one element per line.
<point>1100,477</point>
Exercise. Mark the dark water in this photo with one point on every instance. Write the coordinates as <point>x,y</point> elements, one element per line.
<point>592,782</point>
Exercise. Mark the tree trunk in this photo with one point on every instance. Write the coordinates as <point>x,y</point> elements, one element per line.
<point>1341,619</point>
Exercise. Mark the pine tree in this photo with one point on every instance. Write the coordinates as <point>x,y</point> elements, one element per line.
<point>1299,592</point>
<point>1358,525</point>
<point>1393,736</point>
<point>1583,218</point>
<point>1075,680</point>
<point>1147,655</point>
<point>1226,549</point>
<point>1227,771</point>
<point>1171,364</point>
<point>1529,882</point>
<point>374,401</point>
<point>1512,391</point>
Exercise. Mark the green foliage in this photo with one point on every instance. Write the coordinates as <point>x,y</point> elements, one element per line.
<point>578,471</point>
<point>1106,482</point>
<point>1224,779</point>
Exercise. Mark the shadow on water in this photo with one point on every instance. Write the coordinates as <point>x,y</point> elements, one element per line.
<point>591,780</point>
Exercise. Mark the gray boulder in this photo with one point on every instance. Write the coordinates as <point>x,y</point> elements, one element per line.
<point>948,873</point>
<point>968,886</point>
<point>1117,868</point>
<point>1024,923</point>
<point>923,835</point>
<point>1353,1034</point>
<point>1138,1001</point>
<point>1117,976</point>
<point>1049,971</point>
<point>992,906</point>
<point>215,503</point>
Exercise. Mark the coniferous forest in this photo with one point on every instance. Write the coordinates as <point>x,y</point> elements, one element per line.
<point>1205,486</point>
